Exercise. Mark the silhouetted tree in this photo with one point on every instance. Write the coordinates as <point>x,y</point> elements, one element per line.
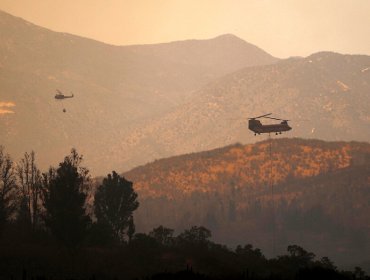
<point>29,177</point>
<point>145,246</point>
<point>253,259</point>
<point>64,200</point>
<point>359,273</point>
<point>162,235</point>
<point>299,257</point>
<point>195,235</point>
<point>298,252</point>
<point>131,228</point>
<point>327,263</point>
<point>115,201</point>
<point>7,187</point>
<point>248,252</point>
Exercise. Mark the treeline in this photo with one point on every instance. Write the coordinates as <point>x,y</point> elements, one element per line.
<point>54,202</point>
<point>48,232</point>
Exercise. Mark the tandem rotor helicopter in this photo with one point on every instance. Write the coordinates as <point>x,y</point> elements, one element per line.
<point>60,96</point>
<point>257,127</point>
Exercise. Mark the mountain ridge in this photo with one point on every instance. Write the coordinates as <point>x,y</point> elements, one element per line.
<point>134,106</point>
<point>321,102</point>
<point>117,88</point>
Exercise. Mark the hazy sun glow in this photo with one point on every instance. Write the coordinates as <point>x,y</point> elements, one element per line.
<point>282,28</point>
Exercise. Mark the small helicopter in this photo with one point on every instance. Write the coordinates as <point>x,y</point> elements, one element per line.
<point>60,95</point>
<point>257,127</point>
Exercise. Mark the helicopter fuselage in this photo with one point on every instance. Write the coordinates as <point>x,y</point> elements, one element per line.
<point>257,127</point>
<point>62,96</point>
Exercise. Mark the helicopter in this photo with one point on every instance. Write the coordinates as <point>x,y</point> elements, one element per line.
<point>60,95</point>
<point>257,127</point>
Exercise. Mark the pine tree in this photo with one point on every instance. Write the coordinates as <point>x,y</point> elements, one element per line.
<point>64,201</point>
<point>115,201</point>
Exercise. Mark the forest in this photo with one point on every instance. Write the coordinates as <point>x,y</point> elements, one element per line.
<point>310,192</point>
<point>51,228</point>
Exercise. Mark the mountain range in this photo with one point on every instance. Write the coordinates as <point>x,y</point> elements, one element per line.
<point>326,96</point>
<point>116,88</point>
<point>135,104</point>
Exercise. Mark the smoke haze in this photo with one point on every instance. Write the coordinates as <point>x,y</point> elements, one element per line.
<point>282,28</point>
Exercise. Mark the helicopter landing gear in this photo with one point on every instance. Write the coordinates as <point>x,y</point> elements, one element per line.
<point>64,110</point>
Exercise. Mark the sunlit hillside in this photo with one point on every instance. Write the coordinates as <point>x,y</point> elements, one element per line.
<point>317,194</point>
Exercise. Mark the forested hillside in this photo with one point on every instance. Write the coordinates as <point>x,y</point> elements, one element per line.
<point>317,194</point>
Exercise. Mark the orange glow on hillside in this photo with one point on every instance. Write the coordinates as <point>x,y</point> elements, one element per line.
<point>7,104</point>
<point>4,111</point>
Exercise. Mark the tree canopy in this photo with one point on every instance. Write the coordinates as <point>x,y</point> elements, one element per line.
<point>115,201</point>
<point>64,200</point>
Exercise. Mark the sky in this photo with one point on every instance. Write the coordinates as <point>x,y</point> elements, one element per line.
<point>283,28</point>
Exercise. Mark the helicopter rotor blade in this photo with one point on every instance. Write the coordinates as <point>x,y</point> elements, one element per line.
<point>263,116</point>
<point>276,119</point>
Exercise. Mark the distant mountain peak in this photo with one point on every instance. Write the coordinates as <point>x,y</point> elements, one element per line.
<point>150,80</point>
<point>228,36</point>
<point>231,38</point>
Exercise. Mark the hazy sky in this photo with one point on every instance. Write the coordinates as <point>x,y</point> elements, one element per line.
<point>281,27</point>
